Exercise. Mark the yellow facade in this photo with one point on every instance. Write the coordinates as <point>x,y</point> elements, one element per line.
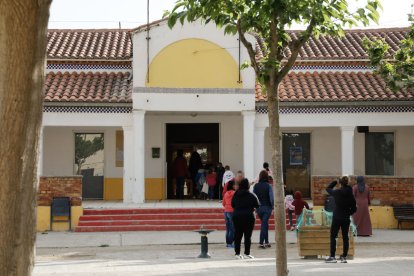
<point>194,63</point>
<point>382,217</point>
<point>43,219</point>
<point>113,189</point>
<point>154,188</point>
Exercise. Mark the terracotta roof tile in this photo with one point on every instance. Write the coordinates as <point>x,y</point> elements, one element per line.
<point>334,87</point>
<point>89,44</point>
<point>117,45</point>
<point>350,46</point>
<point>88,87</point>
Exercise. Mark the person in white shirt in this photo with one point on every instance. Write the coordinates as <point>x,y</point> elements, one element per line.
<point>227,176</point>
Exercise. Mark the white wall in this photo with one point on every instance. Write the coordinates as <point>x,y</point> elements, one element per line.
<point>404,150</point>
<point>59,148</point>
<point>325,149</point>
<point>162,36</point>
<point>231,139</point>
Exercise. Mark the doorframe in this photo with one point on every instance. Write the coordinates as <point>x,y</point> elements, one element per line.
<point>164,142</point>
<point>88,131</point>
<point>310,132</point>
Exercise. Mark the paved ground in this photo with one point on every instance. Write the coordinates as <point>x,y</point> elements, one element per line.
<point>373,259</point>
<point>388,252</point>
<point>72,239</point>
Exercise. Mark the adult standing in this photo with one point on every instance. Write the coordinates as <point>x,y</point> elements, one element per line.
<point>244,203</point>
<point>180,170</point>
<point>220,173</point>
<point>345,206</point>
<point>361,217</point>
<point>228,213</point>
<point>194,165</point>
<point>264,192</point>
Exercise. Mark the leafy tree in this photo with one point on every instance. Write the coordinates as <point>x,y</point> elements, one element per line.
<point>270,20</point>
<point>397,70</point>
<point>23,27</point>
<point>85,148</point>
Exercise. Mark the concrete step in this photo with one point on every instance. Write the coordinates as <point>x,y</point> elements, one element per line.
<point>157,222</point>
<point>176,219</point>
<point>154,228</point>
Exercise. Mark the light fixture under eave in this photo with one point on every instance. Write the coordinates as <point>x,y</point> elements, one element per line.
<point>193,114</point>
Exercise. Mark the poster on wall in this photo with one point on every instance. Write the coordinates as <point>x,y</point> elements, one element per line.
<point>119,151</point>
<point>296,156</point>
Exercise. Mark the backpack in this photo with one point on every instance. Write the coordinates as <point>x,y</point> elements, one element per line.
<point>329,203</point>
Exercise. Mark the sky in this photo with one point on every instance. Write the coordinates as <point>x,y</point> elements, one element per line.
<point>108,14</point>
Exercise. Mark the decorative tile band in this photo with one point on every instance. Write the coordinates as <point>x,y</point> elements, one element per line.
<point>87,109</point>
<point>324,110</point>
<point>69,66</point>
<point>332,67</point>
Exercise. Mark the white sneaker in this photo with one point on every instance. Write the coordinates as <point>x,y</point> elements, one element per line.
<point>239,257</point>
<point>248,256</point>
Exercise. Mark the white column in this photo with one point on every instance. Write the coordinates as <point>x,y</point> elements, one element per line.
<point>347,150</point>
<point>248,143</point>
<point>138,192</point>
<point>259,137</point>
<point>128,181</point>
<point>40,153</point>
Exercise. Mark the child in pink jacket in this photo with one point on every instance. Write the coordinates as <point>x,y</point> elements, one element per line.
<point>290,209</point>
<point>228,213</point>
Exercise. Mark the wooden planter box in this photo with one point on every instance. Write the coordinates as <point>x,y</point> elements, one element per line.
<point>314,241</point>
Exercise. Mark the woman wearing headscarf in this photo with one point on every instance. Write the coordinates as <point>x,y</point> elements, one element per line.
<point>361,218</point>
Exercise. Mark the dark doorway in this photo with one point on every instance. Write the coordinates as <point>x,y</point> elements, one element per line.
<point>296,162</point>
<point>203,138</point>
<point>89,162</point>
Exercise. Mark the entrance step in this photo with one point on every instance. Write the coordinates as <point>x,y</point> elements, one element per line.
<point>174,219</point>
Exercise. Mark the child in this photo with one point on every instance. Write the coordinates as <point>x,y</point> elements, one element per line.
<point>200,179</point>
<point>290,209</point>
<point>211,180</point>
<point>299,204</point>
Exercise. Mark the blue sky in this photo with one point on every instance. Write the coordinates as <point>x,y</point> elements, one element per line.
<point>87,14</point>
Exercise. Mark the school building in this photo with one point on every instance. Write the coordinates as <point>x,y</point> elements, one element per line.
<point>119,103</point>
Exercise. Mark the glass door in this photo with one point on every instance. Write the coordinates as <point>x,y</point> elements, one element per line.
<point>89,162</point>
<point>296,162</point>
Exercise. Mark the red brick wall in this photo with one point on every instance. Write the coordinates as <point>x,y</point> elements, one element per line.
<point>385,190</point>
<point>59,186</point>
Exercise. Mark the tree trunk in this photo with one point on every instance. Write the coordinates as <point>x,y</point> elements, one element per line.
<point>279,191</point>
<point>23,26</point>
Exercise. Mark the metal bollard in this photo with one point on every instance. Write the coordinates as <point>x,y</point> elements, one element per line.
<point>204,242</point>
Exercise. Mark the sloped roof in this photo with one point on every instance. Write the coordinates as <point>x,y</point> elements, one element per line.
<point>109,44</point>
<point>89,44</point>
<point>350,46</point>
<point>335,87</point>
<point>88,87</point>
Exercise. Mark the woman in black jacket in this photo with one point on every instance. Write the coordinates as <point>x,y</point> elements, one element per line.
<point>244,204</point>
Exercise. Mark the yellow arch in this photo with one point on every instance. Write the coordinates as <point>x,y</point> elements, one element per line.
<point>193,63</point>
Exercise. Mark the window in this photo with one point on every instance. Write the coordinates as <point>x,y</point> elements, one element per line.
<point>379,153</point>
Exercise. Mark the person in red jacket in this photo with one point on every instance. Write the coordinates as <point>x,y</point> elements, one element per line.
<point>299,204</point>
<point>180,171</point>
<point>228,214</point>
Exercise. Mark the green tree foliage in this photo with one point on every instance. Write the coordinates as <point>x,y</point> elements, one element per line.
<point>269,21</point>
<point>85,148</point>
<point>397,70</point>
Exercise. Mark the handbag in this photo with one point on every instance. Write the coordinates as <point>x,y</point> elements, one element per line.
<point>205,188</point>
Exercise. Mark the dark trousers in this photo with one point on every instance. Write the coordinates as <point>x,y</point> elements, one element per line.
<point>210,192</point>
<point>179,187</point>
<point>228,216</point>
<point>264,213</point>
<point>243,225</point>
<point>196,192</point>
<point>290,214</point>
<point>343,224</point>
